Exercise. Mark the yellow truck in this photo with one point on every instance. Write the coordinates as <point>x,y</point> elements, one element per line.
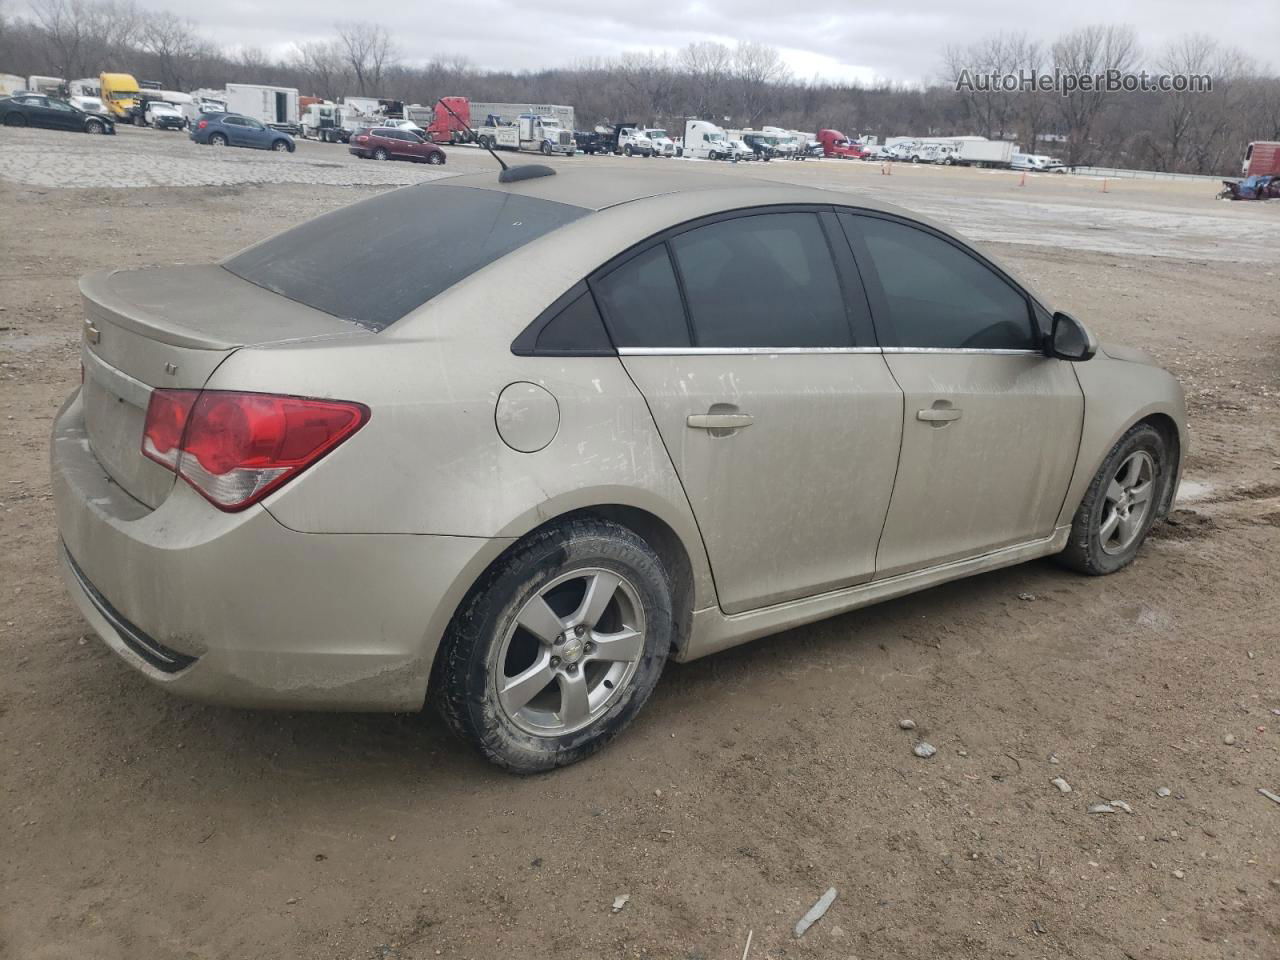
<point>120,95</point>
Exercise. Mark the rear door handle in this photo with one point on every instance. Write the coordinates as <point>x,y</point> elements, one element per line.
<point>939,415</point>
<point>719,421</point>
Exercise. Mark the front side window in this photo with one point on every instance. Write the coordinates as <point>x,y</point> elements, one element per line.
<point>937,295</point>
<point>641,302</point>
<point>765,280</point>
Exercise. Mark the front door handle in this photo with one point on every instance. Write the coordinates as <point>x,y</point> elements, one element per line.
<point>940,414</point>
<point>719,421</point>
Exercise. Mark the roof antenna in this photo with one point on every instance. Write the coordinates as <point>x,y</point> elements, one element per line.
<point>508,175</point>
<point>483,142</point>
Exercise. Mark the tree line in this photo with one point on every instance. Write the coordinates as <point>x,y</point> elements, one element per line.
<point>748,84</point>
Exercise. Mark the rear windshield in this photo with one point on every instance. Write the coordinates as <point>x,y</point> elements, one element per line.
<point>375,261</point>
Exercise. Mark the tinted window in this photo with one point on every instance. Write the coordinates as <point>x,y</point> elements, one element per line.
<point>762,281</point>
<point>642,303</point>
<point>575,330</point>
<point>408,245</point>
<point>939,296</point>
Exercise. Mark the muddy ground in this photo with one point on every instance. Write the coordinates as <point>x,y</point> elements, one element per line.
<point>136,825</point>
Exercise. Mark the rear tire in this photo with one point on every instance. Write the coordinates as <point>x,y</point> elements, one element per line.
<point>1121,504</point>
<point>14,120</point>
<point>539,724</point>
<point>217,140</point>
<point>381,154</point>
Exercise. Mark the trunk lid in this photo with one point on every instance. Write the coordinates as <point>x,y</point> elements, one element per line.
<point>171,328</point>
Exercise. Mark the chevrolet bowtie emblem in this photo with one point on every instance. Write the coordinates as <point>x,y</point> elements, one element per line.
<point>91,333</point>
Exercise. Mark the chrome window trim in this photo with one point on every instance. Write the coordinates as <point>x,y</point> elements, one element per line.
<point>735,351</point>
<point>993,351</point>
<point>739,351</point>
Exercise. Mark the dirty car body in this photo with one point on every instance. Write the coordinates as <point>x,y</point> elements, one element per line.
<point>615,419</point>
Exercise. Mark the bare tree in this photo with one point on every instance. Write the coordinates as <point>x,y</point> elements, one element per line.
<point>369,51</point>
<point>709,69</point>
<point>1090,52</point>
<point>324,64</point>
<point>175,44</point>
<point>758,69</point>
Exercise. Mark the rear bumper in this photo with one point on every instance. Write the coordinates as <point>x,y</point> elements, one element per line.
<point>236,609</point>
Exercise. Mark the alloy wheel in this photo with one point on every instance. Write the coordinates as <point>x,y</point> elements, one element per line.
<point>1127,502</point>
<point>570,652</point>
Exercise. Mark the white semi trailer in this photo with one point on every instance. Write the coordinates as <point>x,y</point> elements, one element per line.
<point>277,107</point>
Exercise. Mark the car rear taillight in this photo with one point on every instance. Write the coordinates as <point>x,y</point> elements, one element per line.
<point>202,124</point>
<point>235,448</point>
<point>362,139</point>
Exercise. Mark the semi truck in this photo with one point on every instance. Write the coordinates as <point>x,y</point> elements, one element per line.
<point>277,107</point>
<point>120,94</point>
<point>450,125</point>
<point>705,140</point>
<point>836,144</point>
<point>530,131</point>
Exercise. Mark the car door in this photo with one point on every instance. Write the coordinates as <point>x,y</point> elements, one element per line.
<point>749,337</point>
<point>36,110</point>
<point>64,116</point>
<point>991,425</point>
<point>256,134</point>
<point>236,131</point>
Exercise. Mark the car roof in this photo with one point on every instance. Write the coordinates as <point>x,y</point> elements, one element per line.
<point>598,188</point>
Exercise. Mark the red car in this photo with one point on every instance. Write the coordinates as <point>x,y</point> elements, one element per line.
<point>388,143</point>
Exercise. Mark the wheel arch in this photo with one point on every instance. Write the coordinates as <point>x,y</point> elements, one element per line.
<point>1167,418</point>
<point>654,530</point>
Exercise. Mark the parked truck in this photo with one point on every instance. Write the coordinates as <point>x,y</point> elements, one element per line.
<point>120,94</point>
<point>48,86</point>
<point>1261,159</point>
<point>448,120</point>
<point>704,140</point>
<point>970,152</point>
<point>545,134</point>
<point>277,107</point>
<point>836,144</point>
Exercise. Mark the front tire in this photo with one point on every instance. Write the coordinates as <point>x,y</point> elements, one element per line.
<point>558,647</point>
<point>95,126</point>
<point>436,158</point>
<point>1121,504</point>
<point>280,146</point>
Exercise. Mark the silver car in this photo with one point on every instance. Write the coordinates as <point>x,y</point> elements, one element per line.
<point>510,445</point>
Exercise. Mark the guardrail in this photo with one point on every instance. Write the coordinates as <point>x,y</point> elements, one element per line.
<point>1121,173</point>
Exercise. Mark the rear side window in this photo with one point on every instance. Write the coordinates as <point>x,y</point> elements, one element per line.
<point>642,302</point>
<point>937,295</point>
<point>375,261</point>
<point>766,280</point>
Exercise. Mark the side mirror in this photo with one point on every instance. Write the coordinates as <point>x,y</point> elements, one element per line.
<point>1069,340</point>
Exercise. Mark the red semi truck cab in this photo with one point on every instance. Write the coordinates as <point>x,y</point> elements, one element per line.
<point>836,144</point>
<point>1261,159</point>
<point>446,128</point>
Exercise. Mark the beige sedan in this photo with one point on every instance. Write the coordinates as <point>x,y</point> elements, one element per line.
<point>510,445</point>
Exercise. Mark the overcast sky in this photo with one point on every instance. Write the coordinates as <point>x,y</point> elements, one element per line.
<point>835,39</point>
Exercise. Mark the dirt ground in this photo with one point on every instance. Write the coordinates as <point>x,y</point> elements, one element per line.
<point>135,825</point>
